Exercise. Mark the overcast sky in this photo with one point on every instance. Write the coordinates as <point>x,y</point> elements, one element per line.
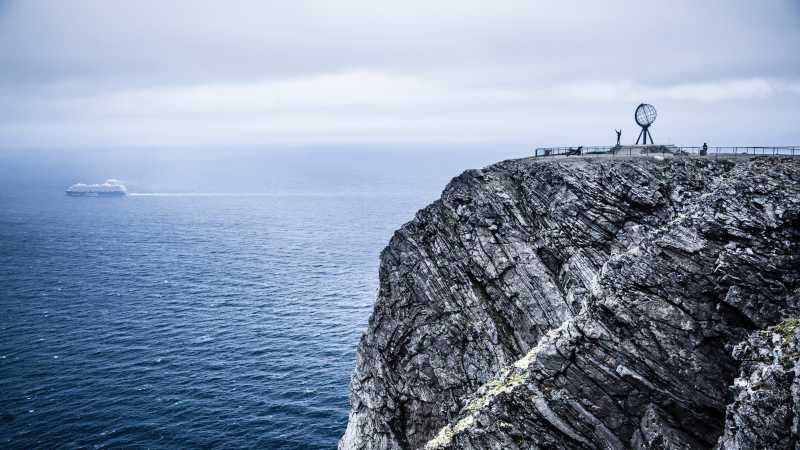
<point>83,74</point>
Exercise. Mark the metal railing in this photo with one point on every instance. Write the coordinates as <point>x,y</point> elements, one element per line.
<point>762,151</point>
<point>569,151</point>
<point>672,149</point>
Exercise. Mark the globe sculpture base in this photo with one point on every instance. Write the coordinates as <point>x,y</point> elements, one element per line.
<point>641,150</point>
<point>643,135</point>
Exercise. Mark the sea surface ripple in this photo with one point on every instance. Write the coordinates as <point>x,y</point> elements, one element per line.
<point>221,321</point>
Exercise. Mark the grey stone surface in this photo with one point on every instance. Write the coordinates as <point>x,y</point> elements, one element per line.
<point>584,303</point>
<point>765,406</point>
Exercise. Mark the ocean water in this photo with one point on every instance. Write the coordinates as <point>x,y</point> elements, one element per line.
<point>186,321</point>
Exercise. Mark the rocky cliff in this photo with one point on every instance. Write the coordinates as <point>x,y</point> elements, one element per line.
<point>584,303</point>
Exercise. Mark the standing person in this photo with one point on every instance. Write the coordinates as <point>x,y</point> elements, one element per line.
<point>619,135</point>
<point>704,151</point>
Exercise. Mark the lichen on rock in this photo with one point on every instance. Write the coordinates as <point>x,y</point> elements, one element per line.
<point>764,410</point>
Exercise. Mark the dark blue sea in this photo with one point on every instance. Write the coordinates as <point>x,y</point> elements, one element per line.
<point>222,309</point>
<point>185,321</point>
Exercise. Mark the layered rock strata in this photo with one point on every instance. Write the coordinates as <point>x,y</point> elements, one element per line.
<point>581,303</point>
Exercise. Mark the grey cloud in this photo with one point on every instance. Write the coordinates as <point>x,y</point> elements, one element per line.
<point>187,72</point>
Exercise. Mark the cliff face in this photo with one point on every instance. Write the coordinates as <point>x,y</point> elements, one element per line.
<point>589,303</point>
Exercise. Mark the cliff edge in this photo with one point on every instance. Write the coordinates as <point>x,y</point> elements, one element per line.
<point>590,303</point>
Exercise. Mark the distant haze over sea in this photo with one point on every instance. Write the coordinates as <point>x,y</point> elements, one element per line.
<point>248,170</point>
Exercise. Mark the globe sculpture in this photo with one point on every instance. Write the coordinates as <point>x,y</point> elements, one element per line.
<point>645,115</point>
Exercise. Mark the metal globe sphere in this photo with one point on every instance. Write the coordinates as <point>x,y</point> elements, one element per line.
<point>645,114</point>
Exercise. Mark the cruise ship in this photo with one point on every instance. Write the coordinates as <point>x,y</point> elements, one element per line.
<point>110,188</point>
